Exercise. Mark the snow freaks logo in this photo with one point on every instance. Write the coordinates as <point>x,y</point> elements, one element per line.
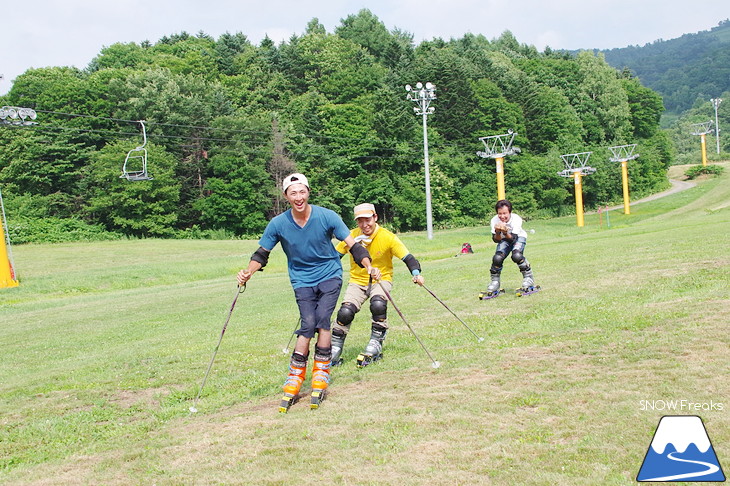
<point>680,451</point>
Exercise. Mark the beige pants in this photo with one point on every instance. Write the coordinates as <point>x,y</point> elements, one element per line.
<point>357,295</point>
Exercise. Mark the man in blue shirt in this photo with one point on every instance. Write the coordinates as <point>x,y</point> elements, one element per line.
<point>305,232</point>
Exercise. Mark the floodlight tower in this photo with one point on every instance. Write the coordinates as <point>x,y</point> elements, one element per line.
<point>10,115</point>
<point>624,153</point>
<point>498,147</point>
<point>15,115</point>
<point>575,167</point>
<point>422,96</point>
<point>716,102</point>
<point>702,129</point>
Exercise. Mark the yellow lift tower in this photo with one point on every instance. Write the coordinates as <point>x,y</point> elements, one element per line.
<point>575,167</point>
<point>498,147</point>
<point>702,129</point>
<point>624,153</point>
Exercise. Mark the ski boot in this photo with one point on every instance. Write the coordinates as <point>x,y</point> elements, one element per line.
<point>338,343</point>
<point>493,290</point>
<point>528,283</point>
<point>297,373</point>
<point>374,350</point>
<point>320,375</point>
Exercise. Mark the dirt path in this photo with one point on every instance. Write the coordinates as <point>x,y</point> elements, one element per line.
<point>677,186</point>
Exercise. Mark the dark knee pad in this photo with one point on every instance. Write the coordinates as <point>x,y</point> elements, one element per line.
<point>518,257</point>
<point>379,308</point>
<point>346,314</point>
<point>497,261</point>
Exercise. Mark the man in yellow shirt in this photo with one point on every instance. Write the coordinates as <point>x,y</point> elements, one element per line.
<point>383,246</point>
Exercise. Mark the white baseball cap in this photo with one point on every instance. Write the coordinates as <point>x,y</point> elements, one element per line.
<point>364,210</point>
<point>295,178</point>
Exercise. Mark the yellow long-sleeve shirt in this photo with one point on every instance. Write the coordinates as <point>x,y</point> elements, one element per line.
<point>382,245</point>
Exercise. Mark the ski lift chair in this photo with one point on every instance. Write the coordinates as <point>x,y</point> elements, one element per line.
<point>133,159</point>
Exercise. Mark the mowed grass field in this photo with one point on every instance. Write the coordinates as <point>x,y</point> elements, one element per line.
<point>104,347</point>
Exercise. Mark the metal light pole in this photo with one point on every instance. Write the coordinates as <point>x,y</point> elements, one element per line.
<point>10,115</point>
<point>422,96</point>
<point>716,102</point>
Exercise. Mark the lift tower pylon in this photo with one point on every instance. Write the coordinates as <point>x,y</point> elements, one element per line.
<point>702,129</point>
<point>575,167</point>
<point>624,153</point>
<point>498,147</point>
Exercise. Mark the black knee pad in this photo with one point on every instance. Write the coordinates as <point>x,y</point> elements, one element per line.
<point>346,314</point>
<point>497,261</point>
<point>379,308</point>
<point>518,257</point>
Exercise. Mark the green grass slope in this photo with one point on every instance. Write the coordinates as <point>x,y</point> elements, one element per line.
<point>105,344</point>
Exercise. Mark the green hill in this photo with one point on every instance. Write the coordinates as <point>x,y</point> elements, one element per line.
<point>683,70</point>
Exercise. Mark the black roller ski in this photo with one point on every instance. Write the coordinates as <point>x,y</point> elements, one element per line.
<point>287,402</point>
<point>527,290</point>
<point>318,397</point>
<point>366,359</point>
<point>486,294</point>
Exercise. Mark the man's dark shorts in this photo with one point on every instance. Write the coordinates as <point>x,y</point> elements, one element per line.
<point>316,305</point>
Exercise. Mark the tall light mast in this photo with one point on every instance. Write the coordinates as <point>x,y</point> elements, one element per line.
<point>716,102</point>
<point>422,95</point>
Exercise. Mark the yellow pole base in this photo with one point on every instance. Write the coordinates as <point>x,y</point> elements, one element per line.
<point>579,200</point>
<point>500,179</point>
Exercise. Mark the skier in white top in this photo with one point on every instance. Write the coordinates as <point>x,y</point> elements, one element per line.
<point>510,237</point>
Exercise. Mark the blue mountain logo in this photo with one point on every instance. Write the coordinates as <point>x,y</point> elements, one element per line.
<point>680,451</point>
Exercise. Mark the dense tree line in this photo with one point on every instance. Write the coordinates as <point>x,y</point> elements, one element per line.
<point>226,120</point>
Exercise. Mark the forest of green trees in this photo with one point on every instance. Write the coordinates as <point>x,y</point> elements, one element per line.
<point>226,120</point>
<point>684,70</point>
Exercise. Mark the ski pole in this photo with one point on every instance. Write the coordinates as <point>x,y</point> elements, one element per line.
<point>479,339</point>
<point>239,291</point>
<point>286,349</point>
<point>435,364</point>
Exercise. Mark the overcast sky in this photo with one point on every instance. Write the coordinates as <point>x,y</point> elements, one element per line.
<point>41,33</point>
